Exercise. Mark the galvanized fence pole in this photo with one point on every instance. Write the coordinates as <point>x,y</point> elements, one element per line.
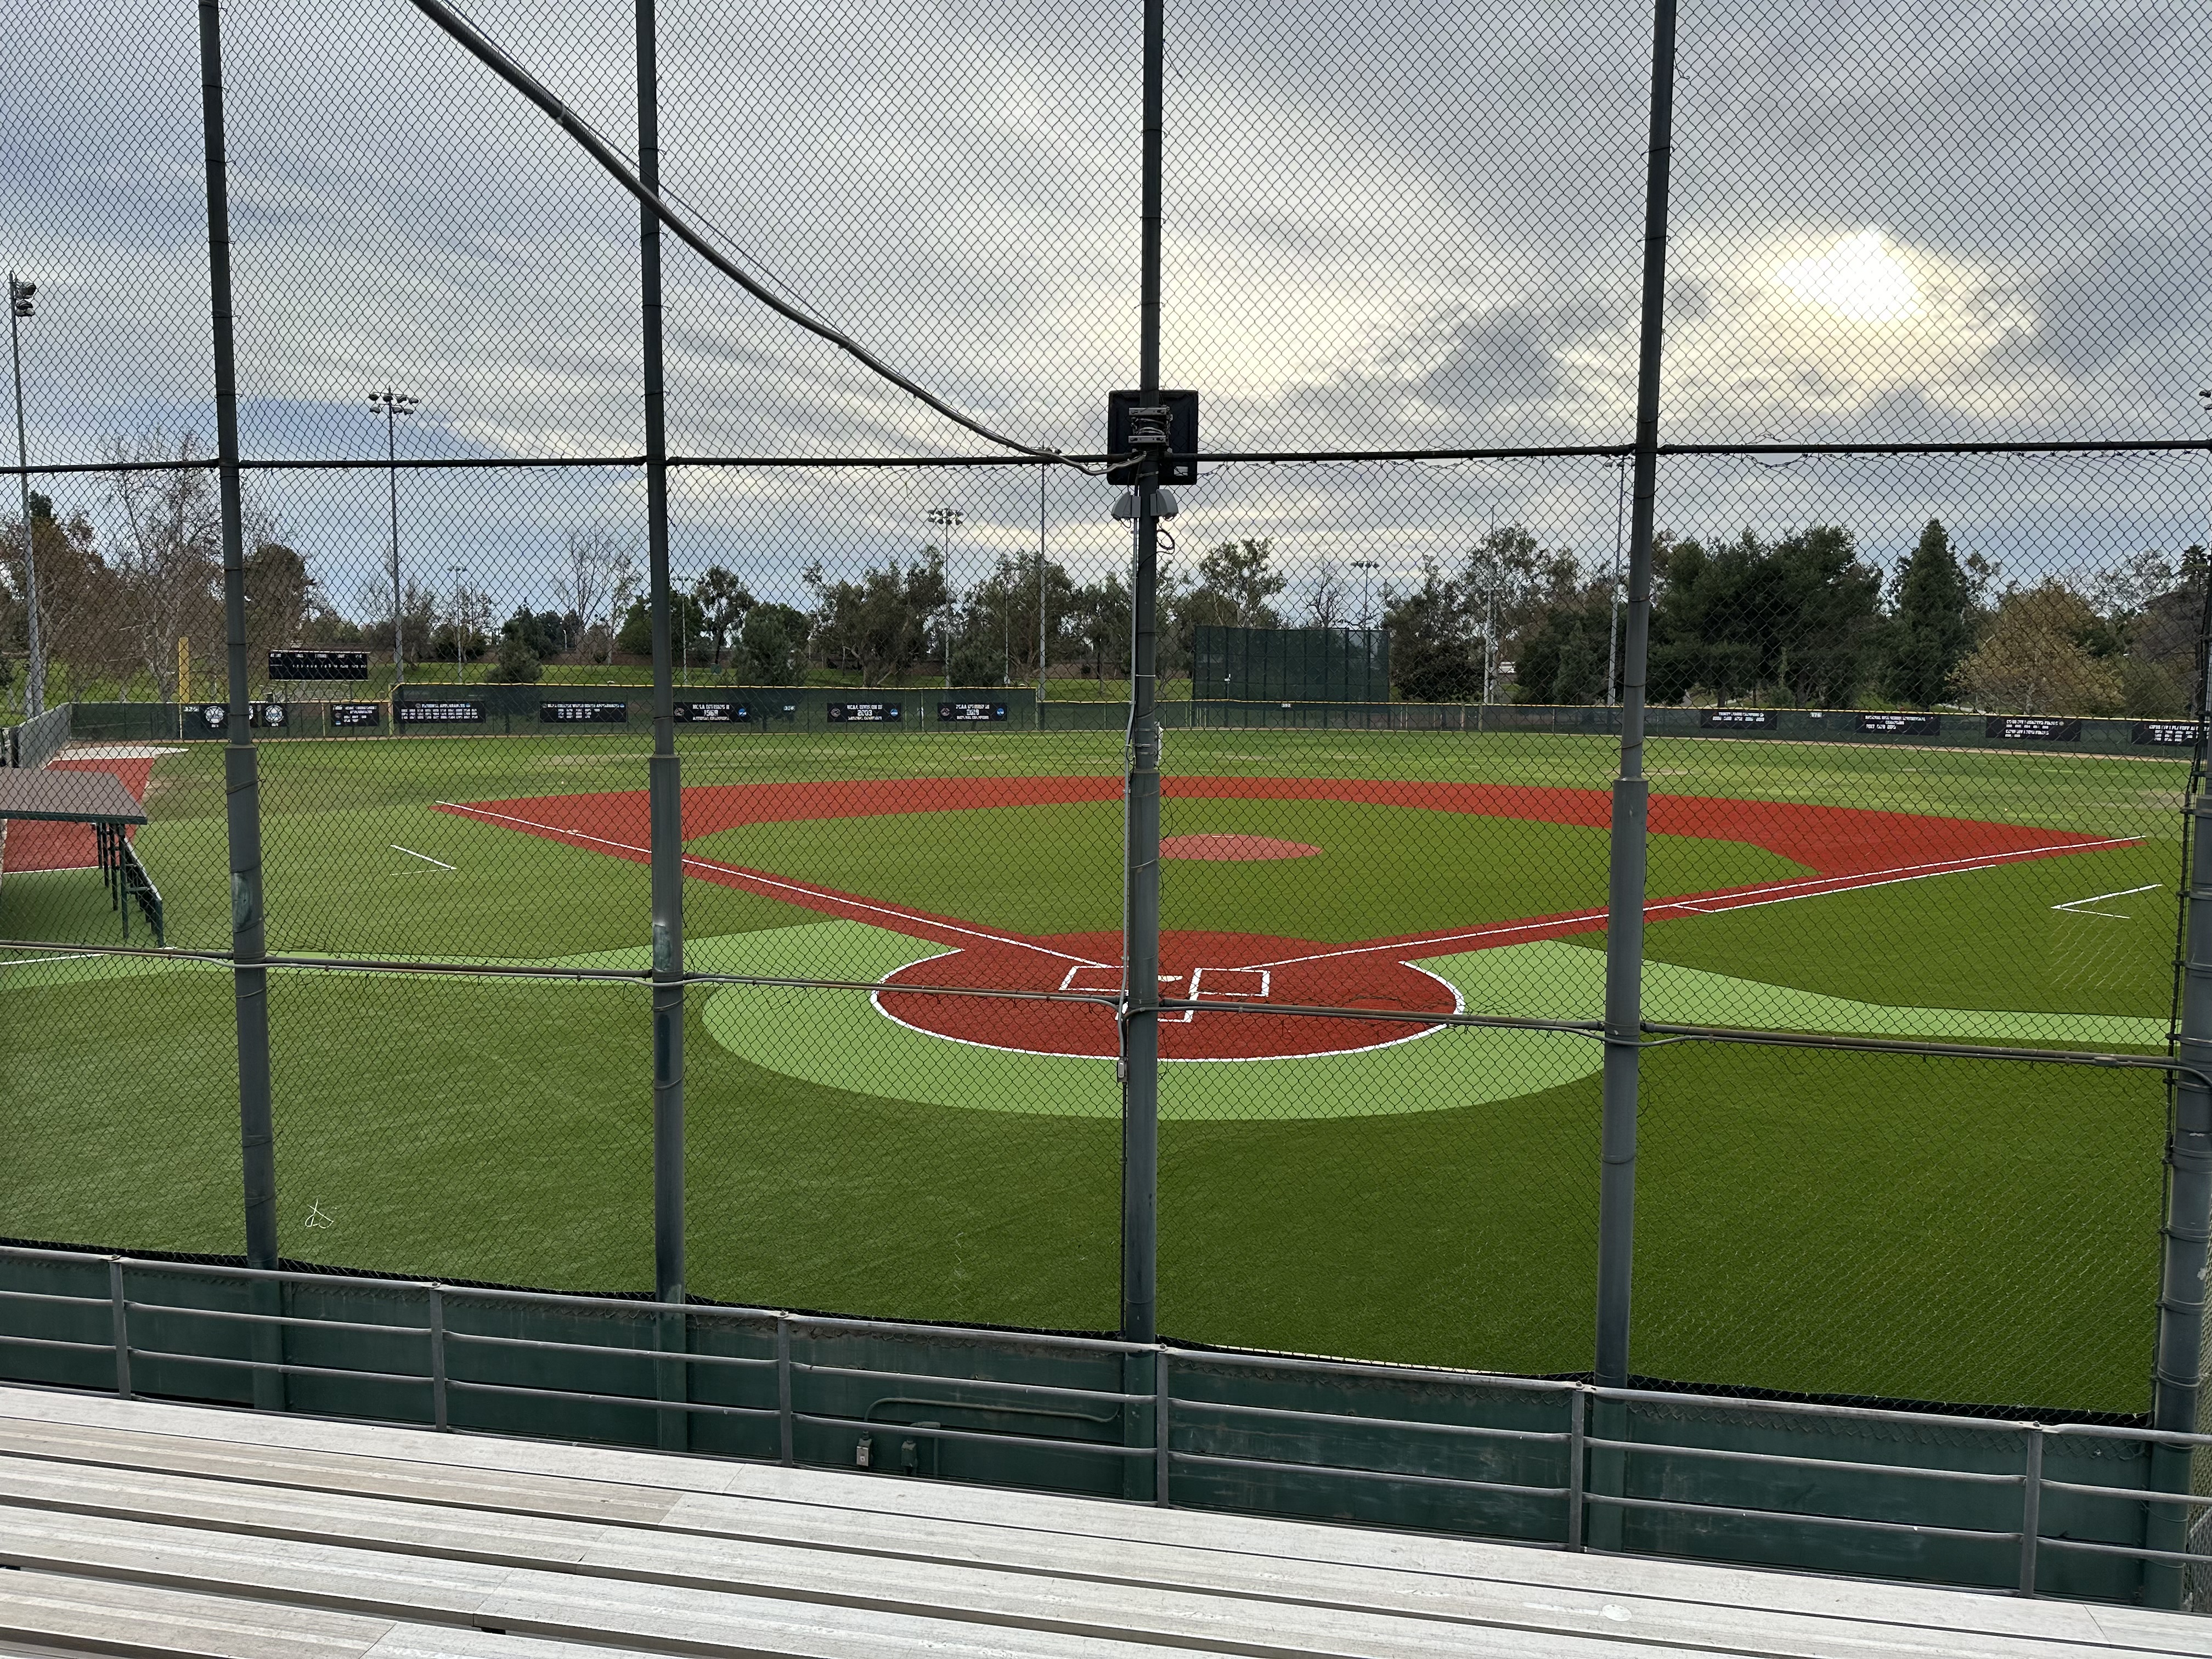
<point>784,1422</point>
<point>2031,1506</point>
<point>241,780</point>
<point>665,792</point>
<point>119,1320</point>
<point>1140,909</point>
<point>439,1417</point>
<point>1623,952</point>
<point>2180,1365</point>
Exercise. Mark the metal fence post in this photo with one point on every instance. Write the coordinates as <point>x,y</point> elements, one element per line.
<point>1161,1396</point>
<point>1624,975</point>
<point>1578,1437</point>
<point>1140,875</point>
<point>2030,1507</point>
<point>438,1418</point>
<point>241,782</point>
<point>783,1419</point>
<point>664,780</point>
<point>1631,795</point>
<point>118,1319</point>
<point>2179,1370</point>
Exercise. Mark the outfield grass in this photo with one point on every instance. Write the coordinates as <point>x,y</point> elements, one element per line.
<point>1832,1224</point>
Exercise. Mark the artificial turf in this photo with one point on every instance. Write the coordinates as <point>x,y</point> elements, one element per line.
<point>1836,1224</point>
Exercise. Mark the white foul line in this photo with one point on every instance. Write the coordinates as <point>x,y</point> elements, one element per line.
<point>787,886</point>
<point>2076,906</point>
<point>425,857</point>
<point>1823,885</point>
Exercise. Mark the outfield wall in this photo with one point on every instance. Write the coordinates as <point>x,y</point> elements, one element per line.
<point>520,711</point>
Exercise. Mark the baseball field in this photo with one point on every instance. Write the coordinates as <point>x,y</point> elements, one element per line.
<point>1969,1230</point>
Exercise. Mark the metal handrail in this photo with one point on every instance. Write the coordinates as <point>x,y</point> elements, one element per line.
<point>1153,1439</point>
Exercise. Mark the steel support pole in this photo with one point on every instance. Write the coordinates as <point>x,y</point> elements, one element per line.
<point>1140,906</point>
<point>666,794</point>
<point>242,781</point>
<point>2180,1365</point>
<point>1623,948</point>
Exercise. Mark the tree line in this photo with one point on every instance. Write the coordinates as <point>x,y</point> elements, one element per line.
<point>1801,618</point>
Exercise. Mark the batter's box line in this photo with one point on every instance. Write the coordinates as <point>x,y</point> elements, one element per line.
<point>1198,992</point>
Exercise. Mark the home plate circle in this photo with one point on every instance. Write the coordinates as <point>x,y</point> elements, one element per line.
<point>1239,975</point>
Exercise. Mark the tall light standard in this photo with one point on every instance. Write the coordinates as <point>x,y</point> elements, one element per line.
<point>947,519</point>
<point>461,624</point>
<point>1366,568</point>
<point>34,684</point>
<point>393,404</point>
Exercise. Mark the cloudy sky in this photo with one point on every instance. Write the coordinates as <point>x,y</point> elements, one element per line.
<point>1405,226</point>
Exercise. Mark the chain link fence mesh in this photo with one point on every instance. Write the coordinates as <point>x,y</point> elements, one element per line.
<point>1923,683</point>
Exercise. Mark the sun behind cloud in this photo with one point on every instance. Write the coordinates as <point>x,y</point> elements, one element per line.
<point>1858,279</point>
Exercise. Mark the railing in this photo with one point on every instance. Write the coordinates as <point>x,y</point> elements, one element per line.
<point>1597,1439</point>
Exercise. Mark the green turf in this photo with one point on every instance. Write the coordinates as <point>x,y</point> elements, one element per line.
<point>1382,872</point>
<point>1834,1224</point>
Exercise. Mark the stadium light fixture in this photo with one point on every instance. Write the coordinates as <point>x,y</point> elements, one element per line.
<point>392,405</point>
<point>20,293</point>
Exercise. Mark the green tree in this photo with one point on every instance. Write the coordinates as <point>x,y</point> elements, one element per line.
<point>1565,658</point>
<point>516,663</point>
<point>1435,654</point>
<point>770,648</point>
<point>1932,631</point>
<point>688,631</point>
<point>1796,618</point>
<point>2038,660</point>
<point>724,600</point>
<point>885,624</point>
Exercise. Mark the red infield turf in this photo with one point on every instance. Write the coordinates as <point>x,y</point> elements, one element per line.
<point>1846,847</point>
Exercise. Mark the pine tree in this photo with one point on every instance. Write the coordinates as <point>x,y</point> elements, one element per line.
<point>1932,634</point>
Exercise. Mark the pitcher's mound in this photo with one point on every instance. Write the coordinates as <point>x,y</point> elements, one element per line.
<point>1233,849</point>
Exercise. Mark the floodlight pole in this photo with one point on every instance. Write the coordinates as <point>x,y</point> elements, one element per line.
<point>1366,568</point>
<point>1631,795</point>
<point>393,404</point>
<point>947,519</point>
<point>242,781</point>
<point>35,681</point>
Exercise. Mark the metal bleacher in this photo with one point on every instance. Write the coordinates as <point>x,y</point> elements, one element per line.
<point>141,1527</point>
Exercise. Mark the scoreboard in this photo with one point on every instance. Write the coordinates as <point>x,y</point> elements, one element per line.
<point>586,713</point>
<point>1901,725</point>
<point>452,711</point>
<point>2035,727</point>
<point>296,663</point>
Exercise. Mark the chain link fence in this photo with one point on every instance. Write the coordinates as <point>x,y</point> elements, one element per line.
<point>1896,596</point>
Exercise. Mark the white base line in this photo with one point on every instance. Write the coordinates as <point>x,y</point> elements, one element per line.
<point>425,857</point>
<point>2076,904</point>
<point>1824,885</point>
<point>787,886</point>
